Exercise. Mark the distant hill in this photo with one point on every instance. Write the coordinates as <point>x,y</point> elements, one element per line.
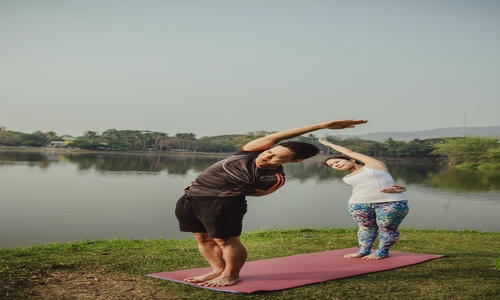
<point>492,131</point>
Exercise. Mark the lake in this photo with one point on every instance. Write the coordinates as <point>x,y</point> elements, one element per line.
<point>53,196</point>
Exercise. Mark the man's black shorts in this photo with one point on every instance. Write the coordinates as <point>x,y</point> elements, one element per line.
<point>219,217</point>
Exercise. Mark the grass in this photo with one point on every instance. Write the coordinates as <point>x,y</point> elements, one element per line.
<point>115,269</point>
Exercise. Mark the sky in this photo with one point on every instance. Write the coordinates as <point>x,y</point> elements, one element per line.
<point>227,66</point>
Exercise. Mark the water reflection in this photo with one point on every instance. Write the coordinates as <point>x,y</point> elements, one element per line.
<point>466,181</point>
<point>114,162</point>
<point>412,171</point>
<point>51,196</point>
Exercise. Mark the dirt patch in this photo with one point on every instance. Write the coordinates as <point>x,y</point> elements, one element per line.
<point>71,284</point>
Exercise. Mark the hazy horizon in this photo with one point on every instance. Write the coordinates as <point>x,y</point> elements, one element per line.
<point>339,133</point>
<point>224,67</point>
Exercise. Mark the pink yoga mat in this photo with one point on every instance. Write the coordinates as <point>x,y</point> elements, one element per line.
<point>296,270</point>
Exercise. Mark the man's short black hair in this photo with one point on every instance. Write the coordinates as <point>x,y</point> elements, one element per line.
<point>301,150</point>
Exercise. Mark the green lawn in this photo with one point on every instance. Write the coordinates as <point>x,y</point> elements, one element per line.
<point>115,269</point>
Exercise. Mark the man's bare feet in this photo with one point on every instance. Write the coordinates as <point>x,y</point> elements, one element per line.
<point>220,281</point>
<point>201,278</point>
<point>353,255</point>
<point>372,256</point>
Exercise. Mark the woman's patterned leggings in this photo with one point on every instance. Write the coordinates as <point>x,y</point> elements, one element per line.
<point>372,217</point>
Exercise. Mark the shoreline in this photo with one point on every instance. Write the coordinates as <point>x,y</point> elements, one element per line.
<point>81,151</point>
<point>249,232</point>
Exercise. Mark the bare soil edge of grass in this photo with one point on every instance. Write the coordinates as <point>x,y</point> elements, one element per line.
<point>71,284</point>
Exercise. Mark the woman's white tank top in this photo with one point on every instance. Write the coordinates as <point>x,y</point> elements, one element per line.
<point>367,184</point>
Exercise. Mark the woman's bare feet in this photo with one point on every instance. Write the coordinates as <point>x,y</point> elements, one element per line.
<point>220,281</point>
<point>353,255</point>
<point>372,256</point>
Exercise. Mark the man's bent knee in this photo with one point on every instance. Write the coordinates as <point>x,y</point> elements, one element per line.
<point>222,242</point>
<point>202,237</point>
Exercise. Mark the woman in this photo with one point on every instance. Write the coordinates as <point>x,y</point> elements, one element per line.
<point>376,203</point>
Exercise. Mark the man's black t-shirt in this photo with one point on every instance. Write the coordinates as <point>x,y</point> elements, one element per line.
<point>238,175</point>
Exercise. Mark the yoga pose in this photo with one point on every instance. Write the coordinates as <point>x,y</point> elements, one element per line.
<point>376,204</point>
<point>213,206</point>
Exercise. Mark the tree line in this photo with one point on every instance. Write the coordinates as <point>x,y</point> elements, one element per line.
<point>465,152</point>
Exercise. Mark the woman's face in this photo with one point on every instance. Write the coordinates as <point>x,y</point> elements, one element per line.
<point>340,164</point>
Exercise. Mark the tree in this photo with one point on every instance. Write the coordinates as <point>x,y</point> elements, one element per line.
<point>35,139</point>
<point>470,151</point>
<point>419,148</point>
<point>11,138</point>
<point>51,136</point>
<point>395,148</point>
<point>89,141</point>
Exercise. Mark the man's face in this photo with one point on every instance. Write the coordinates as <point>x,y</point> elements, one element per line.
<point>275,156</point>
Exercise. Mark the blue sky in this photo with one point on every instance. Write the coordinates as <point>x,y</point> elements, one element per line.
<point>221,67</point>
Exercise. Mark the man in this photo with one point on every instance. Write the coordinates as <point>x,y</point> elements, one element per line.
<point>213,206</point>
